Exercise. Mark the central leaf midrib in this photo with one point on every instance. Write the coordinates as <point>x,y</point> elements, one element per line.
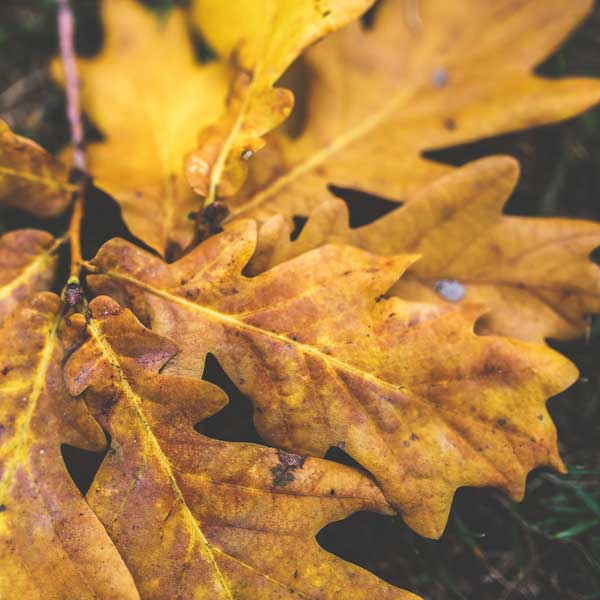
<point>327,359</point>
<point>133,397</point>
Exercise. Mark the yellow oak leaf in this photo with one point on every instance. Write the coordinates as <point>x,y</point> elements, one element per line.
<point>534,274</point>
<point>30,178</point>
<point>380,96</point>
<point>51,544</point>
<point>406,389</point>
<point>149,96</point>
<point>28,264</point>
<point>197,517</point>
<point>260,38</point>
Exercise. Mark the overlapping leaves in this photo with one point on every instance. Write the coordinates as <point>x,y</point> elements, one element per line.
<point>405,388</point>
<point>335,346</point>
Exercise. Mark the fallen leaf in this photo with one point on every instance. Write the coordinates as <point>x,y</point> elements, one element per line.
<point>260,38</point>
<point>51,544</point>
<point>380,96</point>
<point>407,389</point>
<point>30,178</point>
<point>197,517</point>
<point>28,264</point>
<point>149,96</point>
<point>533,273</point>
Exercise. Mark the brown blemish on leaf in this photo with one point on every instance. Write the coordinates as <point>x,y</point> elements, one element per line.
<point>283,473</point>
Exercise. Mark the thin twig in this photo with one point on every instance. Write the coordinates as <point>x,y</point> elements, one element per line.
<point>66,29</point>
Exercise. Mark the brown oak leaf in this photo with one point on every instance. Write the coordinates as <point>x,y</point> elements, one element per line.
<point>51,544</point>
<point>533,273</point>
<point>30,178</point>
<point>27,265</point>
<point>416,397</point>
<point>198,517</point>
<point>379,96</point>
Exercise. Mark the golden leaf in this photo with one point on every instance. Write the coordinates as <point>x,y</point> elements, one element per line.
<point>30,178</point>
<point>51,544</point>
<point>260,38</point>
<point>533,273</point>
<point>27,265</point>
<point>198,517</point>
<point>380,96</point>
<point>407,389</point>
<point>149,97</point>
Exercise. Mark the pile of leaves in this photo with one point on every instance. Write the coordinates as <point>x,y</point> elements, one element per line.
<point>414,344</point>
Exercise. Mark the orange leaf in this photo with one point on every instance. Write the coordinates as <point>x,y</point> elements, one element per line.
<point>27,265</point>
<point>260,38</point>
<point>380,96</point>
<point>51,544</point>
<point>407,389</point>
<point>30,178</point>
<point>197,517</point>
<point>533,273</point>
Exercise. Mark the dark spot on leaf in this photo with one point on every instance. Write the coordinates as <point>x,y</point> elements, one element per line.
<point>450,124</point>
<point>288,463</point>
<point>332,492</point>
<point>2,508</point>
<point>540,417</point>
<point>501,422</point>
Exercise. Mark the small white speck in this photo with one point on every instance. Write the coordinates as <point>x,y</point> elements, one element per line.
<point>450,289</point>
<point>41,451</point>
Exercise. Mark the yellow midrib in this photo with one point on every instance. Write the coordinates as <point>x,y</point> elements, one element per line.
<point>232,321</point>
<point>134,399</point>
<point>19,454</point>
<point>320,156</point>
<point>217,171</point>
<point>52,183</point>
<point>36,265</point>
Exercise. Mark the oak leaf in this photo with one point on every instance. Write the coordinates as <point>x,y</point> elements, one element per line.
<point>260,38</point>
<point>407,389</point>
<point>380,96</point>
<point>51,544</point>
<point>28,264</point>
<point>30,178</point>
<point>534,274</point>
<point>149,96</point>
<point>198,517</point>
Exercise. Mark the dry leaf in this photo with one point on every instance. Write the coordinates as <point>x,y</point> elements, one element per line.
<point>406,389</point>
<point>51,544</point>
<point>260,38</point>
<point>27,265</point>
<point>533,273</point>
<point>30,178</point>
<point>379,97</point>
<point>197,517</point>
<point>149,96</point>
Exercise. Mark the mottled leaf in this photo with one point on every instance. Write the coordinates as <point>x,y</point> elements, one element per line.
<point>407,389</point>
<point>27,265</point>
<point>533,273</point>
<point>260,38</point>
<point>51,544</point>
<point>30,178</point>
<point>449,73</point>
<point>195,517</point>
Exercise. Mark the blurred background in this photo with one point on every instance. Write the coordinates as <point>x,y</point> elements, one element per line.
<point>548,547</point>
